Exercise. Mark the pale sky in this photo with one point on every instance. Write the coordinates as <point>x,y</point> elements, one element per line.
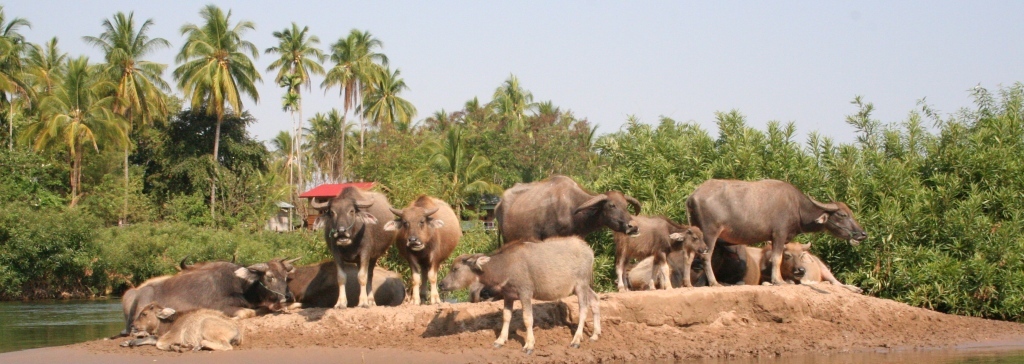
<point>799,61</point>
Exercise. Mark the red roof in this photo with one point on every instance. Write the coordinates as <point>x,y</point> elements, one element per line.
<point>333,189</point>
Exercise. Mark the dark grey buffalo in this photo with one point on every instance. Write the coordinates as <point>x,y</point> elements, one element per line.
<point>226,287</point>
<point>745,213</point>
<point>354,231</point>
<point>558,206</point>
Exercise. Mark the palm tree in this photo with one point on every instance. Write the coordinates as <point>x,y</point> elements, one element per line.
<point>12,80</point>
<point>356,65</point>
<point>512,100</point>
<point>45,66</point>
<point>327,134</point>
<point>299,57</point>
<point>383,106</point>
<point>463,175</point>
<point>78,113</point>
<point>216,70</point>
<point>138,96</point>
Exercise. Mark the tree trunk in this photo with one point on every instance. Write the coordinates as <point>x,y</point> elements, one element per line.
<point>76,177</point>
<point>10,128</point>
<point>124,211</point>
<point>216,165</point>
<point>298,147</point>
<point>341,175</point>
<point>362,130</point>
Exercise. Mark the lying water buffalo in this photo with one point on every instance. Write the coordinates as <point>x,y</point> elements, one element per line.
<point>222,286</point>
<point>637,275</point>
<point>558,206</point>
<point>745,213</point>
<point>547,270</point>
<point>801,267</point>
<point>194,330</point>
<point>354,235</point>
<point>658,236</point>
<point>317,285</point>
<point>427,233</point>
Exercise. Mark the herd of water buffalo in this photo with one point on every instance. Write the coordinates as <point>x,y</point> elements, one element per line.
<point>543,256</point>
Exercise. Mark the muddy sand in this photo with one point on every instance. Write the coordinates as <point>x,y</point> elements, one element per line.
<point>680,324</point>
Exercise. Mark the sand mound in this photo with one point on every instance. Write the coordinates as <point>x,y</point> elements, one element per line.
<point>675,324</point>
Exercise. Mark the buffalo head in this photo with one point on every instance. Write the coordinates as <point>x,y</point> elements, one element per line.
<point>417,225</point>
<point>344,218</point>
<point>612,210</point>
<point>271,276</point>
<point>796,260</point>
<point>465,271</point>
<point>691,239</point>
<point>150,317</point>
<point>838,220</point>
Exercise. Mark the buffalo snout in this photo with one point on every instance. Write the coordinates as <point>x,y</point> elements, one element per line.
<point>632,229</point>
<point>799,272</point>
<point>859,237</point>
<point>415,243</point>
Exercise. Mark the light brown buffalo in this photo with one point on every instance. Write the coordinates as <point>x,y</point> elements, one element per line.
<point>547,270</point>
<point>747,213</point>
<point>427,232</point>
<point>194,330</point>
<point>657,238</point>
<point>801,267</point>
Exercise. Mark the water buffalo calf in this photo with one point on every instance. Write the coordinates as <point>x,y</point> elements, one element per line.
<point>548,270</point>
<point>193,330</point>
<point>427,233</point>
<point>746,213</point>
<point>317,285</point>
<point>657,237</point>
<point>801,267</point>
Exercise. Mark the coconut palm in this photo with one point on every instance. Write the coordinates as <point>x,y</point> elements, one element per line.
<point>139,91</point>
<point>299,56</point>
<point>383,106</point>
<point>12,77</point>
<point>512,100</point>
<point>77,114</point>
<point>327,133</point>
<point>463,175</point>
<point>216,69</point>
<point>44,65</point>
<point>356,65</point>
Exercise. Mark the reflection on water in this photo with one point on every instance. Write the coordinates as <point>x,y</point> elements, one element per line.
<point>25,325</point>
<point>1002,354</point>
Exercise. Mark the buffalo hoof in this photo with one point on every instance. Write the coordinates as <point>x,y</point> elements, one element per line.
<point>126,344</point>
<point>853,288</point>
<point>574,345</point>
<point>528,351</point>
<point>340,307</point>
<point>498,345</point>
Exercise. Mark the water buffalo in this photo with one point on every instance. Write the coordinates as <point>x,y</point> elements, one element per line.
<point>745,213</point>
<point>558,206</point>
<point>427,233</point>
<point>638,275</point>
<point>658,236</point>
<point>547,270</point>
<point>317,285</point>
<point>222,286</point>
<point>193,330</point>
<point>354,235</point>
<point>801,267</point>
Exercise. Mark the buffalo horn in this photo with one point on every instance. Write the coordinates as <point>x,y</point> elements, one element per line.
<point>318,205</point>
<point>395,211</point>
<point>364,204</point>
<point>591,203</point>
<point>182,264</point>
<point>828,207</point>
<point>634,202</point>
<point>430,212</point>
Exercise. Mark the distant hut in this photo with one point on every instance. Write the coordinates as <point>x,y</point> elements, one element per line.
<point>324,192</point>
<point>283,220</point>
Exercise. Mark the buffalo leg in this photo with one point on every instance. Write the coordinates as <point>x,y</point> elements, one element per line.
<point>214,345</point>
<point>620,268</point>
<point>435,297</point>
<point>506,318</point>
<point>778,246</point>
<point>528,322</point>
<point>342,296</point>
<point>710,240</point>
<point>148,340</point>
<point>687,265</point>
<point>369,283</point>
<point>826,274</point>
<point>362,276</point>
<point>583,297</point>
<point>417,280</point>
<point>595,307</point>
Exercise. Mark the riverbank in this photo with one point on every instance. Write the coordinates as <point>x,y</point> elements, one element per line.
<point>729,322</point>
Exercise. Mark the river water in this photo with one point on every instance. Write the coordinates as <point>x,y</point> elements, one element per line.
<point>52,323</point>
<point>25,325</point>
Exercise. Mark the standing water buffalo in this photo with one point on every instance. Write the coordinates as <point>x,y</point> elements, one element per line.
<point>317,285</point>
<point>194,330</point>
<point>427,232</point>
<point>547,270</point>
<point>221,286</point>
<point>745,213</point>
<point>558,206</point>
<point>353,235</point>
<point>657,237</point>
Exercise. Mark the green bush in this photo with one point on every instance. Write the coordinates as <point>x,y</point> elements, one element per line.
<point>48,253</point>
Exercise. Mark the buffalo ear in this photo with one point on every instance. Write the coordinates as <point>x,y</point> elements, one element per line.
<point>822,219</point>
<point>246,274</point>
<point>437,223</point>
<point>676,236</point>
<point>591,203</point>
<point>806,247</point>
<point>481,261</point>
<point>368,218</point>
<point>165,313</point>
<point>391,225</point>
